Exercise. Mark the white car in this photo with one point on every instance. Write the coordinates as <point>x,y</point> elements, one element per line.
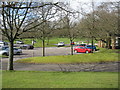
<point>60,44</point>
<point>6,51</point>
<point>3,47</point>
<point>19,42</point>
<point>2,43</point>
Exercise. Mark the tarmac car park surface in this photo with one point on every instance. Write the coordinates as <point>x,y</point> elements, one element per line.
<point>51,51</point>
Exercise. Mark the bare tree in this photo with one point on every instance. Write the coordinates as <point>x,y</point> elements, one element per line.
<point>68,25</point>
<point>47,15</point>
<point>100,23</point>
<point>72,31</point>
<point>11,25</point>
<point>14,22</point>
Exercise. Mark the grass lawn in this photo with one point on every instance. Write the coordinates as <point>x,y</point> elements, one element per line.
<point>102,56</point>
<point>0,79</point>
<point>37,79</point>
<point>52,41</point>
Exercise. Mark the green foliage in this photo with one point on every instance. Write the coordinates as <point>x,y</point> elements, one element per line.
<point>102,56</point>
<point>37,79</point>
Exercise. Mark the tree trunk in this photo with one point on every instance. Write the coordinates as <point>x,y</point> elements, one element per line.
<point>48,41</point>
<point>71,47</point>
<point>43,42</point>
<point>92,44</point>
<point>119,42</point>
<point>11,54</point>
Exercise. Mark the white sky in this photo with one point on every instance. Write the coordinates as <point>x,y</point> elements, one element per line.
<point>67,0</point>
<point>95,0</point>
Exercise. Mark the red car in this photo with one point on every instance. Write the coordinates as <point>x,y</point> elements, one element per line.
<point>72,43</point>
<point>82,49</point>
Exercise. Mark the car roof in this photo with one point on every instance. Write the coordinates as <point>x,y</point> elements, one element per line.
<point>89,45</point>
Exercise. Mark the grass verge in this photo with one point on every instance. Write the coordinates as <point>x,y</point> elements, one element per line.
<point>37,79</point>
<point>102,56</point>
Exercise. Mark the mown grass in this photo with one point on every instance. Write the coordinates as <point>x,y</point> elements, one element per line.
<point>0,79</point>
<point>37,79</point>
<point>52,41</point>
<point>102,56</point>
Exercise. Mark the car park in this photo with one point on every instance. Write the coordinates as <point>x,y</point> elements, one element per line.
<point>82,49</point>
<point>61,44</point>
<point>91,47</point>
<point>26,46</point>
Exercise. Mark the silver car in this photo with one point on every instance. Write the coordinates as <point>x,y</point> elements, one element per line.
<point>6,51</point>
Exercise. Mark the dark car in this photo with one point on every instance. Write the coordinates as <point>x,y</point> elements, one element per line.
<point>90,47</point>
<point>26,46</point>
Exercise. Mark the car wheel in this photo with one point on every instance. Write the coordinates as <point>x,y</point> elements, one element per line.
<point>18,53</point>
<point>86,52</point>
<point>76,51</point>
<point>5,54</point>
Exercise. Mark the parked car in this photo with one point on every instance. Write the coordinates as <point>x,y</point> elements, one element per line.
<point>19,42</point>
<point>3,47</point>
<point>2,43</point>
<point>17,51</point>
<point>82,49</point>
<point>61,44</point>
<point>90,47</point>
<point>26,46</point>
<point>5,51</point>
<point>80,45</point>
<point>72,43</point>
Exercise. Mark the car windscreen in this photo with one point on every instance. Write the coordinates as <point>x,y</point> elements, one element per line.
<point>15,49</point>
<point>4,48</point>
<point>90,46</point>
<point>82,47</point>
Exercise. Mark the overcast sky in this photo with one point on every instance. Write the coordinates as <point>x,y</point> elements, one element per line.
<point>67,0</point>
